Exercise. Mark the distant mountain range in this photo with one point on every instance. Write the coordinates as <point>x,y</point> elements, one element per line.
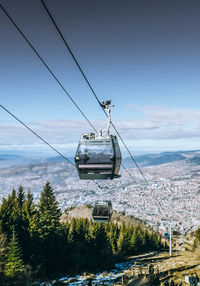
<point>7,160</point>
<point>164,157</point>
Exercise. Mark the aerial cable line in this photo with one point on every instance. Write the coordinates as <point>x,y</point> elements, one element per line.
<point>31,130</point>
<point>48,68</point>
<point>91,88</point>
<point>88,83</point>
<point>35,51</point>
<point>130,175</point>
<point>43,140</point>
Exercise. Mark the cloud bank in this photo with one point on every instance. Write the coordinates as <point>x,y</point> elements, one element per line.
<point>157,125</point>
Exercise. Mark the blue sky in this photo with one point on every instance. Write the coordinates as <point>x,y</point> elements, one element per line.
<point>142,54</point>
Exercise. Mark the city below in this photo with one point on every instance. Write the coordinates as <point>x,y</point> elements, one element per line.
<point>170,200</point>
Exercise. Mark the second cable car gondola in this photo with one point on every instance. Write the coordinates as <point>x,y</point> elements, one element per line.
<point>98,156</point>
<point>166,234</point>
<point>102,211</point>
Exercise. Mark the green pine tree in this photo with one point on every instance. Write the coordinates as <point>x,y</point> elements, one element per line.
<point>73,235</point>
<point>46,233</point>
<point>123,242</point>
<point>12,215</point>
<point>13,195</point>
<point>113,236</point>
<point>9,213</point>
<point>49,211</point>
<point>136,241</point>
<point>2,249</point>
<point>29,207</point>
<point>14,264</point>
<point>20,197</point>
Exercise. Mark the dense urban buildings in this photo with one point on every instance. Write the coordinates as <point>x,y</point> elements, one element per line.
<point>171,199</point>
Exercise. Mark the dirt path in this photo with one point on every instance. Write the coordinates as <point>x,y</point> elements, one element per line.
<point>175,267</point>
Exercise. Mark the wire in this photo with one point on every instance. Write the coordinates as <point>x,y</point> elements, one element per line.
<point>130,174</point>
<point>35,51</point>
<point>20,121</point>
<point>48,68</point>
<point>91,88</point>
<point>141,172</point>
<point>43,140</point>
<point>70,51</point>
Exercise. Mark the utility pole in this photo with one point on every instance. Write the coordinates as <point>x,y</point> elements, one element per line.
<point>170,241</point>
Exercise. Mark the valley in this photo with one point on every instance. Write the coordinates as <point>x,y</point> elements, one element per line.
<point>171,199</point>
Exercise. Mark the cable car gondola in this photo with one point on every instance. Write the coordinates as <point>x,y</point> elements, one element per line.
<point>102,211</point>
<point>166,234</point>
<point>98,156</point>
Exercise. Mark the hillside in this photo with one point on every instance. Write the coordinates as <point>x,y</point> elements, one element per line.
<point>85,211</point>
<point>183,262</point>
<point>72,248</point>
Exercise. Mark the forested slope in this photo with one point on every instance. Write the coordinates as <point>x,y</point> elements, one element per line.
<point>33,239</point>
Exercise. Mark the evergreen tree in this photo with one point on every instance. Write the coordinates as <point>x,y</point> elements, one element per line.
<point>50,248</point>
<point>147,241</point>
<point>2,250</point>
<point>100,250</point>
<point>20,197</point>
<point>29,209</point>
<point>77,242</point>
<point>113,233</point>
<point>138,241</point>
<point>46,233</point>
<point>14,264</point>
<point>13,195</point>
<point>9,213</point>
<point>5,216</point>
<point>12,215</point>
<point>123,242</point>
<point>155,240</point>
<point>49,211</point>
<point>73,235</point>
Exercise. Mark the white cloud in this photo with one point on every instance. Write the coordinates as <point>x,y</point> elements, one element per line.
<point>159,122</point>
<point>157,125</point>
